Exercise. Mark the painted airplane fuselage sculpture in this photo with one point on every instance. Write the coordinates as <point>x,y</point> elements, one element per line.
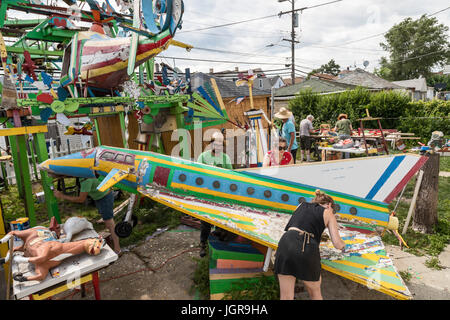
<point>254,206</point>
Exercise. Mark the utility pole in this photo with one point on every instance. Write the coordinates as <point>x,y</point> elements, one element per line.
<point>292,40</point>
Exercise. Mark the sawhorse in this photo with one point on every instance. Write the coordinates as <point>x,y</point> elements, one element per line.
<point>50,292</point>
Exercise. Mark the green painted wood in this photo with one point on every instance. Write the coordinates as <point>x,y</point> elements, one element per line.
<point>15,156</point>
<point>47,182</point>
<point>99,141</point>
<point>33,159</point>
<point>124,129</point>
<point>357,271</point>
<point>26,179</point>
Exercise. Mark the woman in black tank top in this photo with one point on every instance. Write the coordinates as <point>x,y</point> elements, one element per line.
<point>298,255</point>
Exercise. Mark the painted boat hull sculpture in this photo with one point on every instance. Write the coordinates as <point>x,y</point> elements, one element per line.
<point>254,206</point>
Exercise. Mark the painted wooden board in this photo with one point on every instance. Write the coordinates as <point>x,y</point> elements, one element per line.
<point>134,37</point>
<point>69,270</point>
<point>378,178</point>
<point>366,262</point>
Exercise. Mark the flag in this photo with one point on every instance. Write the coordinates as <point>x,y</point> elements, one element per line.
<point>239,100</point>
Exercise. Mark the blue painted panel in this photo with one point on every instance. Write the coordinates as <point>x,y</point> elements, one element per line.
<point>72,171</point>
<point>386,174</point>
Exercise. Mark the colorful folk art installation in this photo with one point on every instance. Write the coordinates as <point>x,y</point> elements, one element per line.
<point>385,179</point>
<point>254,206</point>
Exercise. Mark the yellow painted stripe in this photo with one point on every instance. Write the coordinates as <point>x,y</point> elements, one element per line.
<point>213,222</point>
<point>368,220</point>
<point>22,130</point>
<point>226,276</point>
<point>79,163</point>
<point>263,183</point>
<point>123,64</point>
<point>373,256</point>
<point>363,281</point>
<point>232,196</point>
<point>62,288</point>
<point>362,266</point>
<point>212,211</point>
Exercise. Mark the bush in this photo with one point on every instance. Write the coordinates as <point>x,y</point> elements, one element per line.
<point>396,109</point>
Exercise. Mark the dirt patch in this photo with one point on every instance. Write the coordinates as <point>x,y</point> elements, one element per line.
<point>160,268</point>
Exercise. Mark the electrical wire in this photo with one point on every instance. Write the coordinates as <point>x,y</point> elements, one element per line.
<point>260,18</point>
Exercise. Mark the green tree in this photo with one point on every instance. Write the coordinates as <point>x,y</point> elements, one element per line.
<point>439,78</point>
<point>331,68</point>
<point>415,47</point>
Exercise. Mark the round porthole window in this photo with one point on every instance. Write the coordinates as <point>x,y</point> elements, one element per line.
<point>216,184</point>
<point>250,190</point>
<point>182,177</point>
<point>267,193</point>
<point>285,197</point>
<point>353,210</point>
<point>199,181</point>
<point>301,200</point>
<point>233,187</point>
<point>337,207</point>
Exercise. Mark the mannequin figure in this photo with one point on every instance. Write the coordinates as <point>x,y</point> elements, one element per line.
<point>45,251</point>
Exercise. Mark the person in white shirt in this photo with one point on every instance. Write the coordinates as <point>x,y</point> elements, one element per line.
<point>306,128</point>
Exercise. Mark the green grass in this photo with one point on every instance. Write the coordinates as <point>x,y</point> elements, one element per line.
<point>406,275</point>
<point>421,244</point>
<point>267,288</point>
<point>444,164</point>
<point>201,277</point>
<point>151,215</point>
<point>433,263</point>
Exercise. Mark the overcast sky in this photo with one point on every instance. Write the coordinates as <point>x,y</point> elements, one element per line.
<point>334,31</point>
<point>327,32</point>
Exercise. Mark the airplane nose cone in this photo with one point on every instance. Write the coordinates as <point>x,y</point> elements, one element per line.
<point>78,165</point>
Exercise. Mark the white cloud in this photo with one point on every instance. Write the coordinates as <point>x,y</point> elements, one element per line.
<point>323,31</point>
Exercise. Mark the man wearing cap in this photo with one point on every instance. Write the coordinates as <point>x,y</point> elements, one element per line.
<point>288,130</point>
<point>306,128</point>
<point>214,157</point>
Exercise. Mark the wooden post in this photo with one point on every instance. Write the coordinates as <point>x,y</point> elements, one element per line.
<point>26,179</point>
<point>47,184</point>
<point>382,137</point>
<point>425,215</point>
<point>364,136</point>
<point>413,202</point>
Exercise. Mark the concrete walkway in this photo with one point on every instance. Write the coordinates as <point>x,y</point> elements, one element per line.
<point>425,283</point>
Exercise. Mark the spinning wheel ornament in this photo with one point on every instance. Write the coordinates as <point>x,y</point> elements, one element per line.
<point>160,15</point>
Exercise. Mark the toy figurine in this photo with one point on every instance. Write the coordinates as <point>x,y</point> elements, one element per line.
<point>42,248</point>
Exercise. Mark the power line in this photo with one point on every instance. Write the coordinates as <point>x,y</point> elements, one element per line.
<point>230,24</point>
<point>256,19</point>
<point>223,61</point>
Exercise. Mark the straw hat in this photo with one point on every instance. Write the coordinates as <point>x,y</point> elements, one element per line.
<point>217,137</point>
<point>342,115</point>
<point>283,113</point>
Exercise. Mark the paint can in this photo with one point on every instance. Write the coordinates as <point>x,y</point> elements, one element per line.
<point>15,226</point>
<point>24,223</point>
